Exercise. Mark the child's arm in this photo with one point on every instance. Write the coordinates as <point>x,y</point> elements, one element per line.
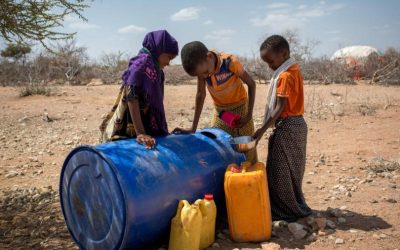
<point>200,97</point>
<point>280,105</point>
<point>246,78</point>
<point>142,138</point>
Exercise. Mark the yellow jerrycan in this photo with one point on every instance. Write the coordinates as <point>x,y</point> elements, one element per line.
<point>209,214</point>
<point>247,202</point>
<point>186,227</point>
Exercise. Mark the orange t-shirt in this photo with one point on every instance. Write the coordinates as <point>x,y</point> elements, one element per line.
<point>290,85</point>
<point>225,86</point>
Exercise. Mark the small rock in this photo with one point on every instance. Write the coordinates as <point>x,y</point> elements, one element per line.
<point>313,237</point>
<point>353,231</point>
<point>341,220</point>
<point>23,119</point>
<point>68,142</point>
<point>334,212</point>
<point>33,159</point>
<point>373,201</point>
<point>339,241</point>
<point>389,199</point>
<point>382,236</point>
<point>343,207</point>
<point>270,246</point>
<point>279,224</point>
<point>330,224</point>
<point>215,245</point>
<point>221,236</point>
<point>320,223</point>
<point>310,220</point>
<point>297,230</point>
<point>294,226</point>
<point>11,174</point>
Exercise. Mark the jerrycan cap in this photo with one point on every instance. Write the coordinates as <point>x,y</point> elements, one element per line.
<point>209,197</point>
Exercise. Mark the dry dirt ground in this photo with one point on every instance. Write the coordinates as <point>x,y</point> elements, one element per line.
<point>353,160</point>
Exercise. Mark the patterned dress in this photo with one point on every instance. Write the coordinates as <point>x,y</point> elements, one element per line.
<point>285,168</point>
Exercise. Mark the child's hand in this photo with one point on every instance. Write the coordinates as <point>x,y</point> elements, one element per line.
<point>242,121</point>
<point>148,141</point>
<point>182,131</point>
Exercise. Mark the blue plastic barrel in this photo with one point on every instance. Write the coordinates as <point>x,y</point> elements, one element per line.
<point>120,195</point>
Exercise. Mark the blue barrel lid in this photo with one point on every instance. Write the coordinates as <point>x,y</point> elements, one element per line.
<point>92,200</point>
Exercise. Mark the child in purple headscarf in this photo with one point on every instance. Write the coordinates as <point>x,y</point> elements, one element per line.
<point>143,88</point>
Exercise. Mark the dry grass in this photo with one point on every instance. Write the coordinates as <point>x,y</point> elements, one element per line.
<point>380,165</point>
<point>35,89</point>
<point>367,107</point>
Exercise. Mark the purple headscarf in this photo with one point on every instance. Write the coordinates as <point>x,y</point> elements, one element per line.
<point>147,79</point>
<point>158,42</point>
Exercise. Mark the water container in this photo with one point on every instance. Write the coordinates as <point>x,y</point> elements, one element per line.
<point>186,227</point>
<point>209,214</point>
<point>247,202</point>
<point>120,195</point>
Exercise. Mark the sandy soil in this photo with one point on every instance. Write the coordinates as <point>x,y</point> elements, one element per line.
<point>353,160</point>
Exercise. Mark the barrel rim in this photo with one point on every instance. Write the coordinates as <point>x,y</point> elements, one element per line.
<point>103,157</point>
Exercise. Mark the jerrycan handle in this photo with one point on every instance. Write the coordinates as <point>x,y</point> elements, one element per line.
<point>201,205</point>
<point>181,204</point>
<point>209,134</point>
<point>245,166</point>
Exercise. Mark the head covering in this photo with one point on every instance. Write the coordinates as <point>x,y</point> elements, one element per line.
<point>146,78</point>
<point>160,41</point>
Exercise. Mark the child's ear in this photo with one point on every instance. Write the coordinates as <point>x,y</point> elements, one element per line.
<point>285,54</point>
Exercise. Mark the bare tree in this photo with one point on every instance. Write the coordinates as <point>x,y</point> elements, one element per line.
<point>389,72</point>
<point>111,66</point>
<point>322,70</point>
<point>301,51</point>
<point>69,59</point>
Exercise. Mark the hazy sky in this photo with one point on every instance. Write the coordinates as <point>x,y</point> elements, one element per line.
<point>237,26</point>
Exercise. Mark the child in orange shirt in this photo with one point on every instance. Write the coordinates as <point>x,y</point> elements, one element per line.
<point>287,144</point>
<point>224,77</point>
